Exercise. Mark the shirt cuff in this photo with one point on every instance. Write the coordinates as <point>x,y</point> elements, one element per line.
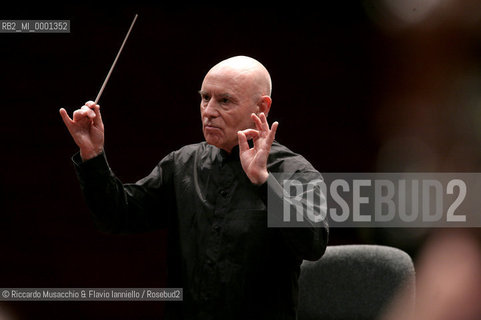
<point>94,167</point>
<point>272,184</point>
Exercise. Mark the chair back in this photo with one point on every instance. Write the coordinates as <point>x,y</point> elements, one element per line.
<point>353,282</point>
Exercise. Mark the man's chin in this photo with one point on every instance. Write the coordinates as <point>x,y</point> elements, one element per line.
<point>216,142</point>
<point>213,140</point>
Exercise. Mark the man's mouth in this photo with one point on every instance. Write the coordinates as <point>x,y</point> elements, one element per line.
<point>210,126</point>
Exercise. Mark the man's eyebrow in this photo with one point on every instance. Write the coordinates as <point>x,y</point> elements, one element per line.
<point>220,95</point>
<point>226,95</point>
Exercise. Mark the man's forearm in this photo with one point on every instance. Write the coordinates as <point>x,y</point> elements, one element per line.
<point>102,192</point>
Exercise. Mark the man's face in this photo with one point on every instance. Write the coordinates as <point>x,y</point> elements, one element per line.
<point>227,102</point>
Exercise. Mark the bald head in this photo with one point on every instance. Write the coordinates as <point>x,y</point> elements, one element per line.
<point>231,92</point>
<point>250,70</point>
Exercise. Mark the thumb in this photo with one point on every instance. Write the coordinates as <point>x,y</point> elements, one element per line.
<point>243,145</point>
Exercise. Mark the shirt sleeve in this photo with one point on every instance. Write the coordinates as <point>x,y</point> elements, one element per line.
<point>126,208</point>
<point>306,240</point>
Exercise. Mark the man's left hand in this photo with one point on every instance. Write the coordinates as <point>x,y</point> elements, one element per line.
<point>254,160</point>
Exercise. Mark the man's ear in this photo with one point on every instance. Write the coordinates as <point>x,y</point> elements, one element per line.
<point>264,105</point>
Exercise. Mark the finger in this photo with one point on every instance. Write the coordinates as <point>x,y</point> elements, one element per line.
<point>263,118</point>
<point>88,112</point>
<point>250,133</point>
<point>82,114</point>
<point>66,119</point>
<point>98,118</point>
<point>243,145</point>
<point>257,121</point>
<point>94,107</point>
<point>272,134</point>
<point>90,104</point>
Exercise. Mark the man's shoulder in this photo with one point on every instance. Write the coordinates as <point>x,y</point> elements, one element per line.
<point>187,152</point>
<point>191,148</point>
<point>283,159</point>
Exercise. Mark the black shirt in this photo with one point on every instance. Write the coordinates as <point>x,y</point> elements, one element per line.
<point>220,250</point>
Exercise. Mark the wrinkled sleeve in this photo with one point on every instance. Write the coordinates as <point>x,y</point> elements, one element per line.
<point>307,240</point>
<point>126,208</point>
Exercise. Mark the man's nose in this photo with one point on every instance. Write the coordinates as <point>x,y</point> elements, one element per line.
<point>210,109</point>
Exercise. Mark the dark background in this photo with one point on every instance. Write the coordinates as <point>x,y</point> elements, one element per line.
<point>345,87</point>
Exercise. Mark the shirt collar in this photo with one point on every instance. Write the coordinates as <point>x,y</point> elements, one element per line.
<point>234,154</point>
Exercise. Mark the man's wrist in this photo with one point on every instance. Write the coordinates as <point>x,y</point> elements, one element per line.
<point>262,178</point>
<point>89,154</point>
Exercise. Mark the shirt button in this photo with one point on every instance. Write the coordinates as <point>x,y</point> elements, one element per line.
<point>223,193</point>
<point>216,227</point>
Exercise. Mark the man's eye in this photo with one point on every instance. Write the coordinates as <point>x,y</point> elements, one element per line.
<point>205,97</point>
<point>224,100</point>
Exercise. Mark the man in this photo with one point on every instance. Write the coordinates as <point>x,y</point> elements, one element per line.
<point>212,197</point>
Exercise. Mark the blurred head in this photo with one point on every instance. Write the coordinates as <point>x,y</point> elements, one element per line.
<point>231,91</point>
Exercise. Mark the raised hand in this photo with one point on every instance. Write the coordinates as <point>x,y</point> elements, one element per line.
<point>86,128</point>
<point>254,160</point>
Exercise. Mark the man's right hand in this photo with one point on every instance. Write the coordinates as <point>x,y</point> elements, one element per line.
<point>86,128</point>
